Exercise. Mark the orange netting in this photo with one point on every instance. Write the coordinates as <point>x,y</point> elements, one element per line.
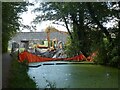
<point>34,58</point>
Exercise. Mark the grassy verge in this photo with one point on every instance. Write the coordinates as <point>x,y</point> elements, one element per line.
<point>19,77</point>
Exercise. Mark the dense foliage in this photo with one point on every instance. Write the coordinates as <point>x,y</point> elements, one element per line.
<point>89,33</point>
<point>18,77</point>
<point>10,20</point>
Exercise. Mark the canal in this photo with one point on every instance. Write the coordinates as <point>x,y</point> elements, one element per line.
<point>73,75</point>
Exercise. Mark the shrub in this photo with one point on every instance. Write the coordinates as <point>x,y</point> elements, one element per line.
<point>19,77</point>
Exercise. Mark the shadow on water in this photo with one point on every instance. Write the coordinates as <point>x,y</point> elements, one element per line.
<point>73,75</point>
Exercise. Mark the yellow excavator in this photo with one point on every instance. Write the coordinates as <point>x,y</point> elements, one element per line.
<point>50,45</point>
<point>48,30</point>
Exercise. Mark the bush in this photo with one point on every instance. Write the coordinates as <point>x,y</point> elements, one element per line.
<point>19,77</point>
<point>115,61</point>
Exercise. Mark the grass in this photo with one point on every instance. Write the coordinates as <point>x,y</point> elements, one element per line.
<point>19,77</point>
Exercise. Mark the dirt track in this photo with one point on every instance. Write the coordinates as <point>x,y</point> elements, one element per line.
<point>6,63</point>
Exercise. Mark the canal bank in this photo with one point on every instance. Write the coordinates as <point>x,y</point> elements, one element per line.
<point>38,64</point>
<point>15,74</point>
<point>73,75</point>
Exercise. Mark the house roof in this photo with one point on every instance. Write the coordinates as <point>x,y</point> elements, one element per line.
<point>39,36</point>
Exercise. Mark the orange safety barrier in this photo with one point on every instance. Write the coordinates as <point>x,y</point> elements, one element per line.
<point>34,58</point>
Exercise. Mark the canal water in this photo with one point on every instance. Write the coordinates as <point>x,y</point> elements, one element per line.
<point>63,75</point>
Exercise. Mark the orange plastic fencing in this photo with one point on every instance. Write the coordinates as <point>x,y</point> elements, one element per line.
<point>34,58</point>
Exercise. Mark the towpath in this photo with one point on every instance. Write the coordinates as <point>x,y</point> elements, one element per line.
<point>6,64</point>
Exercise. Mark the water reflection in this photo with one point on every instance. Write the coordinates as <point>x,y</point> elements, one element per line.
<point>74,76</point>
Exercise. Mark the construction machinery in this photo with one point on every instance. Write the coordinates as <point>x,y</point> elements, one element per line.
<point>49,30</point>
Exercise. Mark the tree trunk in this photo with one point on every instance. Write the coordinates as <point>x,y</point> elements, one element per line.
<point>68,28</point>
<point>97,22</point>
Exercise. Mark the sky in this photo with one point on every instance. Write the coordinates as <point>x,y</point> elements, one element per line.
<point>27,18</point>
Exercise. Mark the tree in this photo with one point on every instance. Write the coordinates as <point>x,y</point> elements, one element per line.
<point>10,20</point>
<point>87,19</point>
<point>70,13</point>
<point>107,52</point>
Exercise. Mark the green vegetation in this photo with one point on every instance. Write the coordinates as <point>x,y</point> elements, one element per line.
<point>18,77</point>
<point>88,32</point>
<point>11,20</point>
<point>108,54</point>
